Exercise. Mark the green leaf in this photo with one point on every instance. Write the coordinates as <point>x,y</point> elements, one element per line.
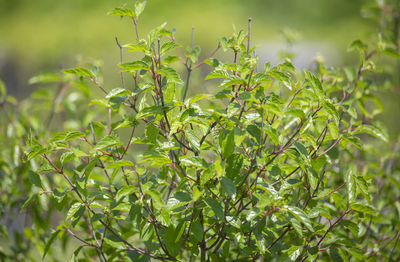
<point>198,98</point>
<point>3,231</point>
<point>79,71</point>
<point>353,227</point>
<point>197,231</point>
<point>133,66</point>
<point>335,256</point>
<point>28,201</point>
<point>233,80</point>
<point>330,108</point>
<point>71,135</point>
<point>193,139</point>
<point>357,45</point>
<point>168,46</point>
<point>139,7</point>
<point>149,111</point>
<point>315,84</point>
<point>141,46</point>
<point>228,186</point>
<point>363,208</point>
<point>50,242</point>
<point>333,130</point>
<point>107,142</point>
<point>207,175</point>
<point>183,197</point>
<point>122,12</point>
<point>118,92</point>
<point>170,239</point>
<point>272,134</point>
<point>254,131</point>
<point>74,209</point>
<point>351,186</point>
<point>151,132</point>
<point>3,90</point>
<point>171,75</point>
<point>66,157</point>
<point>374,131</point>
<point>217,73</point>
<point>45,78</point>
<point>228,145</point>
<point>391,52</point>
<point>34,178</point>
<point>233,166</point>
<point>120,163</point>
<point>301,216</point>
<point>195,161</point>
<point>215,207</point>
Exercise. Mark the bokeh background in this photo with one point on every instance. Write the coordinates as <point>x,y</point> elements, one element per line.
<point>47,35</point>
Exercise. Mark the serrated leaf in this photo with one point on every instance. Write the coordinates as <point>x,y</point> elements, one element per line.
<point>73,209</point>
<point>171,75</point>
<point>217,73</point>
<point>193,139</point>
<point>228,145</point>
<point>168,46</point>
<point>118,92</point>
<point>364,208</point>
<point>330,108</point>
<point>228,186</point>
<point>133,66</point>
<point>139,7</point>
<point>122,12</point>
<point>351,186</point>
<point>79,71</point>
<point>215,207</point>
<point>233,80</point>
<point>195,161</point>
<point>66,156</point>
<point>315,84</point>
<point>151,132</point>
<point>301,216</point>
<point>107,142</point>
<point>374,131</point>
<point>233,165</point>
<point>120,163</point>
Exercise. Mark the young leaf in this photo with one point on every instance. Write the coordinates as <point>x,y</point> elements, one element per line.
<point>139,7</point>
<point>79,71</point>
<point>107,142</point>
<point>228,145</point>
<point>122,12</point>
<point>133,66</point>
<point>118,92</point>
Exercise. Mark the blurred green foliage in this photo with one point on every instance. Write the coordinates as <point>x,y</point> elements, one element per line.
<point>44,34</point>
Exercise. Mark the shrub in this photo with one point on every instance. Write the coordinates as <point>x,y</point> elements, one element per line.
<point>275,165</point>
